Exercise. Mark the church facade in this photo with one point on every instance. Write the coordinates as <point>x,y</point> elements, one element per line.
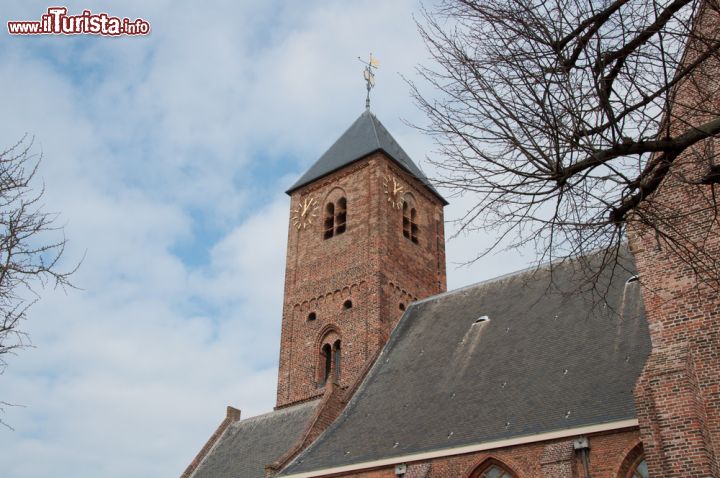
<point>384,373</point>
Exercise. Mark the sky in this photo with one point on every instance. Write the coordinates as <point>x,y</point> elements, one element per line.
<point>166,157</point>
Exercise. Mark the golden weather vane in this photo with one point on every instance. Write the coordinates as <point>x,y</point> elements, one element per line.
<point>369,74</point>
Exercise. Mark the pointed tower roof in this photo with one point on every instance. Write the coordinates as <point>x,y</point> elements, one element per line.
<point>365,136</point>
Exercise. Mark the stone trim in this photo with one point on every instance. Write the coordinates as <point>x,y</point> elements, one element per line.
<point>446,452</point>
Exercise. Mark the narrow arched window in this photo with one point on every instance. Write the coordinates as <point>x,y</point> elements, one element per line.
<point>329,224</point>
<point>410,226</point>
<point>413,226</point>
<point>340,216</point>
<point>336,353</point>
<point>335,218</point>
<point>406,220</point>
<point>326,356</point>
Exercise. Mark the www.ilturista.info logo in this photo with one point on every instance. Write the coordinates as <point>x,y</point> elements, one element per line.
<point>57,22</point>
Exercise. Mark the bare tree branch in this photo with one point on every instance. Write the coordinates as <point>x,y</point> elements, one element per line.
<point>31,246</point>
<point>562,117</point>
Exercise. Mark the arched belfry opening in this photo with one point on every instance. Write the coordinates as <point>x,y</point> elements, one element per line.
<point>329,358</point>
<point>335,214</point>
<point>326,359</point>
<point>329,224</point>
<point>336,359</point>
<point>411,229</point>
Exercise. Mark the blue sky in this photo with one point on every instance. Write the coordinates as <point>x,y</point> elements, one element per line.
<point>166,156</point>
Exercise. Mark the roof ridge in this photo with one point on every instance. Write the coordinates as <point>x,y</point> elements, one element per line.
<point>279,410</point>
<point>372,121</point>
<point>482,282</point>
<point>531,268</point>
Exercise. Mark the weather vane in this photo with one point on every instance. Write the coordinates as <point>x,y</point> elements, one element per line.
<point>369,75</point>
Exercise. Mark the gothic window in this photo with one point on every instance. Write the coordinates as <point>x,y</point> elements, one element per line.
<point>495,472</point>
<point>493,469</point>
<point>410,227</point>
<point>335,218</point>
<point>634,464</point>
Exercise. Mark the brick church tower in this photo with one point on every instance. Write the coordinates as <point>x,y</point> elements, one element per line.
<point>678,394</point>
<point>365,239</point>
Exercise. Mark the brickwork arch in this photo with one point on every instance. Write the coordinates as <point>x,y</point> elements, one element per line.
<point>334,212</point>
<point>334,194</point>
<point>411,218</point>
<point>631,458</point>
<point>328,332</point>
<point>486,465</point>
<point>328,347</point>
<point>400,296</point>
<point>338,295</point>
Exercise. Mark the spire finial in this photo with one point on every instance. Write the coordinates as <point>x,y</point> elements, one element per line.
<point>369,75</point>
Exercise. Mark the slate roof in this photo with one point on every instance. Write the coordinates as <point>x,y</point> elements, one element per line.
<point>248,445</point>
<point>365,136</point>
<point>544,361</point>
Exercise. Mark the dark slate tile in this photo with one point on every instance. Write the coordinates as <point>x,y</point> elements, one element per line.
<point>248,445</point>
<point>365,136</point>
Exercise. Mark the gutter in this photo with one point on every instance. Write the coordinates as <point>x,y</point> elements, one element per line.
<point>445,452</point>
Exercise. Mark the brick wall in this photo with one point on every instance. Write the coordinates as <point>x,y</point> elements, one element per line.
<point>678,395</point>
<point>371,264</point>
<point>609,452</point>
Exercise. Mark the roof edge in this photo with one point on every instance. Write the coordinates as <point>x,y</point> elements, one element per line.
<point>232,415</point>
<point>285,408</point>
<point>398,163</point>
<point>443,452</point>
<point>532,268</point>
<point>332,395</point>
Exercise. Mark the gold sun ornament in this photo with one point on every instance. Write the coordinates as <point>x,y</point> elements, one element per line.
<point>304,213</point>
<point>394,191</point>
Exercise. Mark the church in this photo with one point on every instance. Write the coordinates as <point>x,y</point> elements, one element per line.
<point>385,373</point>
<point>382,369</point>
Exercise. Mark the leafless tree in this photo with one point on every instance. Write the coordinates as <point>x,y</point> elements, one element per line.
<point>561,116</point>
<point>31,246</point>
